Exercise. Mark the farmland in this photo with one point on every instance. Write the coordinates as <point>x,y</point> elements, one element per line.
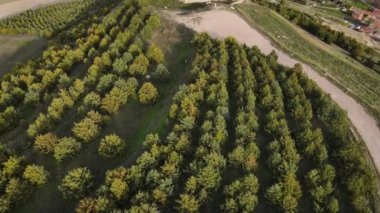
<point>324,58</point>
<point>130,111</point>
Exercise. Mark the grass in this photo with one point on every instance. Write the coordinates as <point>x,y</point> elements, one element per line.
<point>356,79</point>
<point>133,122</point>
<point>326,12</point>
<point>19,48</point>
<point>164,3</point>
<point>359,4</point>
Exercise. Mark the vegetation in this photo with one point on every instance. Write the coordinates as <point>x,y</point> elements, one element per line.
<point>357,79</point>
<point>314,26</point>
<point>226,80</point>
<point>47,21</point>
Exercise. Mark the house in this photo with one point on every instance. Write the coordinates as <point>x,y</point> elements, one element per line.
<point>359,14</point>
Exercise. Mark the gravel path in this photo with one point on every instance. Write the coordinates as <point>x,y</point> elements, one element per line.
<point>18,6</point>
<point>222,23</point>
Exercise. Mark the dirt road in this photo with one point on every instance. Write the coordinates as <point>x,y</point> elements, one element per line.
<point>222,23</point>
<point>18,6</point>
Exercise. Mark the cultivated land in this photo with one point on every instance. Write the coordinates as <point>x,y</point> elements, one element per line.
<point>358,80</point>
<point>222,23</point>
<point>132,110</point>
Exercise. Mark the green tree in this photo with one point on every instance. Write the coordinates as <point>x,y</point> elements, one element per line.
<point>76,183</point>
<point>36,175</point>
<point>45,143</point>
<point>106,82</point>
<point>155,54</point>
<point>86,130</point>
<point>12,166</point>
<point>188,203</point>
<point>119,188</point>
<point>66,148</point>
<point>119,66</point>
<point>148,93</point>
<point>139,66</point>
<point>92,99</point>
<point>111,146</point>
<point>161,73</point>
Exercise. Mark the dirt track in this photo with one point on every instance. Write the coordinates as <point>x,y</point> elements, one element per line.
<point>15,7</point>
<point>222,23</point>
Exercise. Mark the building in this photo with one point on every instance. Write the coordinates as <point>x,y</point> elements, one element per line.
<point>360,15</point>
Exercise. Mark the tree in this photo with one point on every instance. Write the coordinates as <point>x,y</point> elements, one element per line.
<point>36,175</point>
<point>120,66</point>
<point>12,166</point>
<point>139,66</point>
<point>16,190</point>
<point>148,93</point>
<point>155,54</point>
<point>112,102</point>
<point>66,148</point>
<point>76,183</point>
<point>188,203</point>
<point>161,73</point>
<point>119,188</point>
<point>105,82</point>
<point>111,146</point>
<point>86,129</point>
<point>45,143</point>
<point>92,99</point>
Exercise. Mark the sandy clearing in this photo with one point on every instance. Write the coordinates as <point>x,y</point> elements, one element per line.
<point>15,7</point>
<point>221,23</point>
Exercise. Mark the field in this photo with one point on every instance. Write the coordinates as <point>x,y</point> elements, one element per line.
<point>132,112</point>
<point>354,77</point>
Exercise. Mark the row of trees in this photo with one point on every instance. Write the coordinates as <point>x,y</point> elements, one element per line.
<point>48,21</point>
<point>309,142</point>
<point>208,164</point>
<point>354,174</point>
<point>241,193</point>
<point>325,33</point>
<point>88,128</point>
<point>157,169</point>
<point>283,158</point>
<point>39,78</point>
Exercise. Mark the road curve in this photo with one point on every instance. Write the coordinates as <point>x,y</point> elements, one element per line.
<point>223,23</point>
<point>18,6</point>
